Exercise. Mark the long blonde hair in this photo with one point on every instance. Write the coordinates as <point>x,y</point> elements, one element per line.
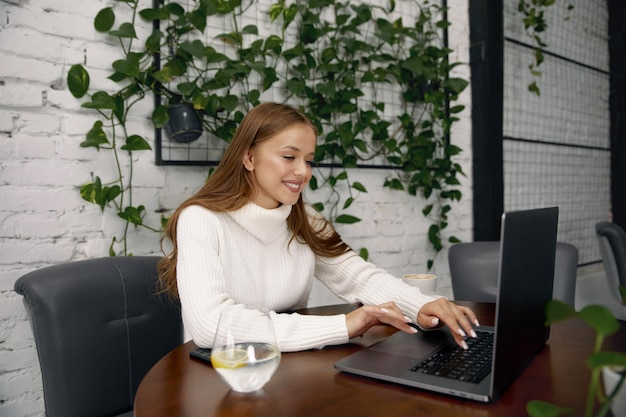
<point>231,186</point>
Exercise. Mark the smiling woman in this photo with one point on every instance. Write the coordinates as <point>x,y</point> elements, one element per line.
<point>281,166</point>
<point>246,242</point>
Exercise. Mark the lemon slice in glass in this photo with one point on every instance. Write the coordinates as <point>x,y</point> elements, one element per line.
<point>229,358</point>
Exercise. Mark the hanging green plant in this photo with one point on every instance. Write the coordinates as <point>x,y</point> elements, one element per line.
<point>377,88</point>
<point>533,13</point>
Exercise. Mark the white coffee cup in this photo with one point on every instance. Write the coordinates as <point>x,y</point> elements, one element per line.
<point>427,283</point>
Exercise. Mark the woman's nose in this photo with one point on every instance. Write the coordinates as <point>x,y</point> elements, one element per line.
<point>301,167</point>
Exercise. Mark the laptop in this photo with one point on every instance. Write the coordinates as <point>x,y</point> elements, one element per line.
<point>525,280</point>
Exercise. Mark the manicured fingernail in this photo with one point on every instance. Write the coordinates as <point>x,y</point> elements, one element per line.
<point>464,345</point>
<point>476,323</point>
<point>461,332</point>
<point>413,329</point>
<point>384,310</point>
<point>474,335</point>
<point>407,320</point>
<point>435,321</point>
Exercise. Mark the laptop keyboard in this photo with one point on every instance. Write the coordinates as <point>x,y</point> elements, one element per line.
<point>471,365</point>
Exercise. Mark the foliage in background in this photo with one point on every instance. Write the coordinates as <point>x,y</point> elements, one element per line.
<point>377,89</point>
<point>110,133</point>
<point>604,324</point>
<point>533,12</point>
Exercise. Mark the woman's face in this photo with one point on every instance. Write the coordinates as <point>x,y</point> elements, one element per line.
<point>281,166</point>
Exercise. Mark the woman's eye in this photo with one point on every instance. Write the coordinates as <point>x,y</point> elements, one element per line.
<point>291,158</point>
<point>310,163</point>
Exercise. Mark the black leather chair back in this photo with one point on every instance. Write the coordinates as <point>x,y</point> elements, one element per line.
<point>98,327</point>
<point>613,248</point>
<point>474,271</point>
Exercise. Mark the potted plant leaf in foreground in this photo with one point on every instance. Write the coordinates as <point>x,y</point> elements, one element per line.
<point>612,365</point>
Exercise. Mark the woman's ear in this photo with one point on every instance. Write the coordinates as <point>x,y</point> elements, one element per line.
<point>248,160</point>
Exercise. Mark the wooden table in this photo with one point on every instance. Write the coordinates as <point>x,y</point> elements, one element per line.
<point>306,384</point>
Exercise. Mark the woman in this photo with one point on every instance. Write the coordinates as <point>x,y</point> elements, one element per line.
<point>247,241</point>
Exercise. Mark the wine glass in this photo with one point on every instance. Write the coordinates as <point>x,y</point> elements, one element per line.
<point>245,353</point>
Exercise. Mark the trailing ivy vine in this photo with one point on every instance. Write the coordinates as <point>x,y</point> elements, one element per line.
<point>533,14</point>
<point>377,88</point>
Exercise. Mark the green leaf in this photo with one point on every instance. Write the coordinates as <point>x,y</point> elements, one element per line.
<point>533,88</point>
<point>94,193</point>
<point>95,137</point>
<point>164,221</point>
<point>600,318</point>
<point>456,85</point>
<point>250,30</point>
<point>104,20</point>
<point>198,19</point>
<point>434,237</point>
<point>348,202</point>
<point>126,30</point>
<point>154,14</point>
<point>229,102</point>
<point>456,109</point>
<point>160,116</point>
<point>605,358</point>
<point>394,184</point>
<point>136,143</point>
<point>537,408</point>
<point>364,253</point>
<point>113,192</point>
<point>78,80</point>
<point>275,11</point>
<point>358,186</point>
<point>101,100</point>
<point>273,43</point>
<point>557,310</point>
<point>153,42</point>
<point>269,77</point>
<point>111,247</point>
<point>195,48</point>
<point>175,9</point>
<point>347,219</point>
<point>454,239</point>
<point>319,207</point>
<point>133,215</point>
<point>89,190</point>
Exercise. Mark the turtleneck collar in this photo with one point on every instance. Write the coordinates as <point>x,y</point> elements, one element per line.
<point>266,225</point>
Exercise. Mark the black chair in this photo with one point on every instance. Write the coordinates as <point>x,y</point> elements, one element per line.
<point>612,240</point>
<point>98,327</point>
<point>474,271</point>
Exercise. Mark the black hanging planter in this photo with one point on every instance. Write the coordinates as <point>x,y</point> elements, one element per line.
<point>184,125</point>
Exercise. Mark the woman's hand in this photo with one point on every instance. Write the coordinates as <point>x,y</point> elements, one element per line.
<point>459,319</point>
<point>361,319</point>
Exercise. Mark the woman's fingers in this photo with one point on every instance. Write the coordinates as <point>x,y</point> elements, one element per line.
<point>361,319</point>
<point>460,320</point>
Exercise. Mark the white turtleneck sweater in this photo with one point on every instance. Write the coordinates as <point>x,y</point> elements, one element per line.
<point>243,260</point>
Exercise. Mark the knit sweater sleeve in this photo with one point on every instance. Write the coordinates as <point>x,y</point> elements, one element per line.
<point>203,292</point>
<point>358,281</point>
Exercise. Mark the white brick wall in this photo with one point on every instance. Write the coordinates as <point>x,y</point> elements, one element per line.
<point>44,221</point>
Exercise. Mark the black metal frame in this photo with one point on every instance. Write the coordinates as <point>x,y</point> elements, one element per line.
<point>617,103</point>
<point>486,61</point>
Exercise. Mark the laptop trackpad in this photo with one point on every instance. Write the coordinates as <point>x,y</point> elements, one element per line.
<point>415,346</point>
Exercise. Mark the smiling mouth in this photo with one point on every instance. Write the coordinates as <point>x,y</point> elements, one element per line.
<point>292,186</point>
